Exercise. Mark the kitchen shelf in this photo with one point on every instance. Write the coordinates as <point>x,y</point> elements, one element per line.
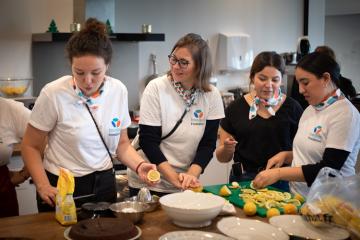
<point>121,37</point>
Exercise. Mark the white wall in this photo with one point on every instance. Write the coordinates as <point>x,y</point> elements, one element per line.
<point>273,25</point>
<point>336,7</point>
<point>342,34</point>
<point>18,20</point>
<point>316,23</point>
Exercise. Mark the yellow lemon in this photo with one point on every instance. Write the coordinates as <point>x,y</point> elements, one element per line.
<point>299,197</point>
<point>197,189</point>
<point>153,175</point>
<point>249,209</point>
<point>290,208</point>
<point>272,212</point>
<point>224,191</point>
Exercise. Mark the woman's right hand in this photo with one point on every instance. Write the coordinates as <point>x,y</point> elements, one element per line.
<point>48,194</point>
<point>229,145</point>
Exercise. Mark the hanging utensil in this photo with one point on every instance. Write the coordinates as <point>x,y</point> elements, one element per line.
<point>155,74</point>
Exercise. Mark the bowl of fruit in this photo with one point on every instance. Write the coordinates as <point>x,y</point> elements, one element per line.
<point>14,87</point>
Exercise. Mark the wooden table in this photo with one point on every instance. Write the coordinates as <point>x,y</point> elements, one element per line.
<point>44,226</point>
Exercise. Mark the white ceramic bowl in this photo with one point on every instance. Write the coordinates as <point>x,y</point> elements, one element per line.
<point>190,209</point>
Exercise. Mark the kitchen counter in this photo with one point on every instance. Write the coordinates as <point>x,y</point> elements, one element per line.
<point>44,226</point>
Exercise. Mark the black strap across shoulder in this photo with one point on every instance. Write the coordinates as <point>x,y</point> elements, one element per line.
<point>97,128</point>
<point>176,125</point>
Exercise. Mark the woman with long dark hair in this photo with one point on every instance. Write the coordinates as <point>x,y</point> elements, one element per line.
<point>328,133</point>
<point>261,124</point>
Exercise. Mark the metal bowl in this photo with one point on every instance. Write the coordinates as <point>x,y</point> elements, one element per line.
<point>152,205</point>
<point>14,87</point>
<point>132,210</point>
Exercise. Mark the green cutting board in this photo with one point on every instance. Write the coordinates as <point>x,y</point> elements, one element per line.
<point>236,200</point>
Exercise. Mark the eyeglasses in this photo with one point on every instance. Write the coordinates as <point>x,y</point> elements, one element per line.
<point>182,62</point>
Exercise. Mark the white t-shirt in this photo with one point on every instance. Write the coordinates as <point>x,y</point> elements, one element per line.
<point>162,106</point>
<point>337,126</point>
<point>74,143</point>
<point>13,120</point>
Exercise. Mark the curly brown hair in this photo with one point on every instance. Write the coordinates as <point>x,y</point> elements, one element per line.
<point>91,40</point>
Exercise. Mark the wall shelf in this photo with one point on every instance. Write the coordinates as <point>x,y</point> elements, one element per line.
<point>121,37</point>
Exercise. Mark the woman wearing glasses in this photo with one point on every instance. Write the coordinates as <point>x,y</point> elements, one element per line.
<point>261,124</point>
<point>184,90</point>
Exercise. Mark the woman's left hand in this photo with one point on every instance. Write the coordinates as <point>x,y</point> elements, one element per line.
<point>188,181</point>
<point>266,177</point>
<point>143,171</point>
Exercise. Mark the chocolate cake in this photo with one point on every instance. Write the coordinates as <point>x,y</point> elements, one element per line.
<point>103,228</point>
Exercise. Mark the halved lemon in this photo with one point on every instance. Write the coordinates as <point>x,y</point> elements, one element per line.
<point>153,175</point>
<point>197,189</point>
<point>224,191</point>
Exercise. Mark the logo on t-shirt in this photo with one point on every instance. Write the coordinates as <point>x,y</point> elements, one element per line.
<point>198,117</point>
<point>115,130</point>
<point>316,134</point>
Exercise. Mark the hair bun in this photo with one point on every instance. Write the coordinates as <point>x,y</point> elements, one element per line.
<point>92,25</point>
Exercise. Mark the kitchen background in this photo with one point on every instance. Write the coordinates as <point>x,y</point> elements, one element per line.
<point>271,24</point>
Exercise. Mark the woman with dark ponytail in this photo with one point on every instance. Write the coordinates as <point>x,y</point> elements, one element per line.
<point>85,118</point>
<point>345,84</point>
<point>329,129</point>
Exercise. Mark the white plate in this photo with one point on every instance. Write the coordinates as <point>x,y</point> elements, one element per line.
<point>295,225</point>
<point>192,235</point>
<point>242,229</point>
<point>67,230</point>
